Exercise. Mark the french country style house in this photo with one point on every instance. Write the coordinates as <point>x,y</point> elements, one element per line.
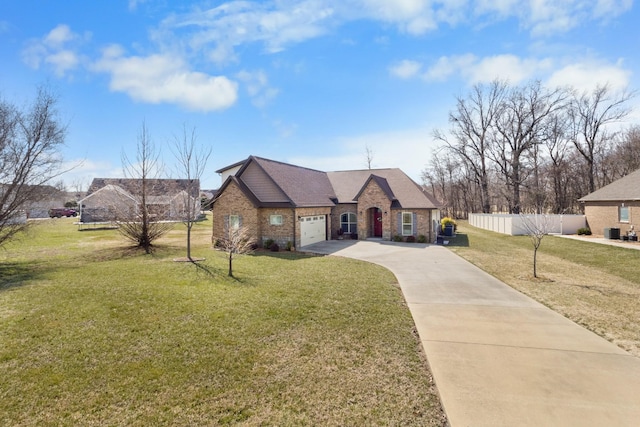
<point>298,206</point>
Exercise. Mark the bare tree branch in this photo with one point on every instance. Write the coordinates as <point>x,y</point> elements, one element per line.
<point>192,161</point>
<point>29,144</point>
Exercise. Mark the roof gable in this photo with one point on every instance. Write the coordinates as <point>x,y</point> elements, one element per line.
<point>382,183</point>
<point>401,190</point>
<point>285,183</point>
<point>155,187</point>
<point>624,189</point>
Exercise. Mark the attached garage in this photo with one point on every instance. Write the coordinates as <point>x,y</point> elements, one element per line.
<point>313,229</point>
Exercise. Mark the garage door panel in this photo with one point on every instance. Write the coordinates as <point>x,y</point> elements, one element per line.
<point>313,229</point>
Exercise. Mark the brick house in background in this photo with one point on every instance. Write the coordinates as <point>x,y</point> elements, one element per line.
<point>616,205</point>
<point>287,203</point>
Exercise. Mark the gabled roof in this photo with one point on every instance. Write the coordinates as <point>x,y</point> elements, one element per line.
<point>156,187</point>
<point>401,190</point>
<point>624,189</point>
<point>269,183</point>
<point>299,186</point>
<point>382,183</point>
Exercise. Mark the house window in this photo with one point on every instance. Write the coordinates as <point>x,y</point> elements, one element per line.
<point>407,224</point>
<point>624,213</point>
<point>275,219</point>
<point>234,222</point>
<point>349,223</point>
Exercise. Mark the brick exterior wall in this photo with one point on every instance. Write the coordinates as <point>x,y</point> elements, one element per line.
<point>423,226</point>
<point>373,197</point>
<point>281,234</point>
<point>601,215</point>
<point>335,218</point>
<point>233,202</point>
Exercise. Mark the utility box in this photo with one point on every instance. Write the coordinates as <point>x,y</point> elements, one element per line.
<point>612,233</point>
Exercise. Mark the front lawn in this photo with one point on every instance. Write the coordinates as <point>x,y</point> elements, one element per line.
<point>595,285</point>
<point>95,333</point>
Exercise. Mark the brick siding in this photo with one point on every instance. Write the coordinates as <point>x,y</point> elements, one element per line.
<point>601,215</point>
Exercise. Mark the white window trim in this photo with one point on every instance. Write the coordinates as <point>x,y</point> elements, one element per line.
<point>620,214</point>
<point>275,219</point>
<point>410,223</point>
<point>349,226</point>
<point>234,222</point>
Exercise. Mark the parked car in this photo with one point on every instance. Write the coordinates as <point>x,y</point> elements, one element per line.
<point>60,212</point>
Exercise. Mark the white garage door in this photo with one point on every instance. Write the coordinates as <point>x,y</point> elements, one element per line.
<point>312,229</point>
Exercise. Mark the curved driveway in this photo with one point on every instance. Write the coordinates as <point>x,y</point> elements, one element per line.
<point>498,357</point>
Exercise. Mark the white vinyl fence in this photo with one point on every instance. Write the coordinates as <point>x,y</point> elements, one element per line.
<point>512,224</point>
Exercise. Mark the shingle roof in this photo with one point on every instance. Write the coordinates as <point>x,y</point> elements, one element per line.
<point>624,189</point>
<point>156,187</point>
<point>408,194</point>
<point>303,186</point>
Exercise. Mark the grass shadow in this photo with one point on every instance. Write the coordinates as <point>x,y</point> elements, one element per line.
<point>460,240</point>
<point>285,255</point>
<point>16,274</point>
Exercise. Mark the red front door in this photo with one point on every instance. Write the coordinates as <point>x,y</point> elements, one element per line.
<point>377,222</point>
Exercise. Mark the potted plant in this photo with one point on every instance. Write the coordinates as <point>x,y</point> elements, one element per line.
<point>448,226</point>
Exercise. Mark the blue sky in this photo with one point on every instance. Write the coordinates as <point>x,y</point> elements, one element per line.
<point>309,82</point>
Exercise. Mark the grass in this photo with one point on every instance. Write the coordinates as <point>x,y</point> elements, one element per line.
<point>93,332</point>
<point>595,285</point>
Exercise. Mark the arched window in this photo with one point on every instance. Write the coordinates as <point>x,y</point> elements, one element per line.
<point>349,223</point>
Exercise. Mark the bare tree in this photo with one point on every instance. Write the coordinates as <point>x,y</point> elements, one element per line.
<point>472,123</point>
<point>236,241</point>
<point>519,127</point>
<point>142,224</point>
<point>29,142</point>
<point>192,161</point>
<point>536,226</point>
<point>591,113</point>
<point>368,155</point>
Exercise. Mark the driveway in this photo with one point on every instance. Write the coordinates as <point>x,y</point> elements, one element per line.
<point>498,357</point>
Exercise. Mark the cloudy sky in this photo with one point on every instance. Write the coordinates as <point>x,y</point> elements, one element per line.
<point>309,82</point>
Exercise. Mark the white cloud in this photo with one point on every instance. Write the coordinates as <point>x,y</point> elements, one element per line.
<point>478,70</point>
<point>257,85</point>
<point>163,78</point>
<point>58,49</point>
<point>446,66</point>
<point>405,69</point>
<point>586,74</point>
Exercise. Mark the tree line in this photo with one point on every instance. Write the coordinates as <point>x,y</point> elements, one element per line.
<point>531,148</point>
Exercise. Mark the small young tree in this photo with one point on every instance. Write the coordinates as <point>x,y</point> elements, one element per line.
<point>536,226</point>
<point>236,241</point>
<point>140,224</point>
<point>192,162</point>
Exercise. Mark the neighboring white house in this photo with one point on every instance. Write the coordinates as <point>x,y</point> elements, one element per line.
<point>113,199</point>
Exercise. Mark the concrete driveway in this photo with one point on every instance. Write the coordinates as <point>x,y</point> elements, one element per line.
<point>498,357</point>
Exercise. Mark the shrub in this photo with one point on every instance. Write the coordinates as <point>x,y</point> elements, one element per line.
<point>411,239</point>
<point>397,238</point>
<point>584,231</point>
<point>448,221</point>
<point>274,247</point>
<point>267,243</point>
<point>422,238</point>
<point>289,245</point>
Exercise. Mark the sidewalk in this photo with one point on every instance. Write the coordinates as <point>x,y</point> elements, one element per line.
<point>498,357</point>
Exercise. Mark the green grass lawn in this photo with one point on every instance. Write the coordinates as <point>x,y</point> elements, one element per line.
<point>95,333</point>
<point>595,285</point>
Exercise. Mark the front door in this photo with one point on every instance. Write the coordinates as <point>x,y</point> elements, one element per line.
<point>377,222</point>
